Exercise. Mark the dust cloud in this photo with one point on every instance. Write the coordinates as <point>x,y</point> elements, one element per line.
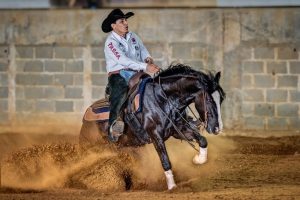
<point>48,161</point>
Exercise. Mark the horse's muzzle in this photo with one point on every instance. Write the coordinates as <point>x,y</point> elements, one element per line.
<point>216,130</point>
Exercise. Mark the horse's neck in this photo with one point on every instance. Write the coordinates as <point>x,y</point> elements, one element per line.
<point>184,85</point>
<point>179,92</point>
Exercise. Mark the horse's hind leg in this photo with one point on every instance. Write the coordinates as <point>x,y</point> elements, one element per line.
<point>200,158</point>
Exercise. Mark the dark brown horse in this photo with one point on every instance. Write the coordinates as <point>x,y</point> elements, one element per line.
<point>163,114</point>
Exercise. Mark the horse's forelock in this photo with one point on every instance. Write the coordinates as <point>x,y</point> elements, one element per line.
<point>212,84</point>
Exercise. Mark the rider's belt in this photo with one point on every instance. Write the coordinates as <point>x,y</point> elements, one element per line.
<point>118,72</point>
<point>114,72</point>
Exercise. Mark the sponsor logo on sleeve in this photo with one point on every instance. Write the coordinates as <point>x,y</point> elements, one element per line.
<point>114,50</point>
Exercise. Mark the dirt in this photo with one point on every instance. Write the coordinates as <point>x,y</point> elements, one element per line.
<point>48,167</point>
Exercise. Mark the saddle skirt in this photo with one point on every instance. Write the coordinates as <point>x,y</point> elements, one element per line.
<point>98,111</point>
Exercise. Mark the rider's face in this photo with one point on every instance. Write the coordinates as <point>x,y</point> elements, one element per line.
<point>120,26</point>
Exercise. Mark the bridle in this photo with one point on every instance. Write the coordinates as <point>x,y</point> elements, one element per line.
<point>203,122</point>
<point>193,127</point>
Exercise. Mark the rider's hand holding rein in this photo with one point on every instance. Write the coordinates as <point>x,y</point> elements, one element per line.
<point>149,60</point>
<point>152,68</point>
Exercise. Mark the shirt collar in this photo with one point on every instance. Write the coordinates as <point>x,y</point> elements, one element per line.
<point>128,35</point>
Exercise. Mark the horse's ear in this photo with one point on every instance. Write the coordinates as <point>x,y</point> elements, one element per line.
<point>217,77</point>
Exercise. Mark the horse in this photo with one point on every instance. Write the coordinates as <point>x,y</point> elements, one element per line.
<point>164,113</point>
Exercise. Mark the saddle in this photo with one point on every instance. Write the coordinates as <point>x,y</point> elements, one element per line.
<point>99,111</point>
<point>137,86</point>
<point>134,80</point>
<point>135,102</point>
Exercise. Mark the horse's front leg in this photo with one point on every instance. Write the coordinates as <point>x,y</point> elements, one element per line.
<point>200,158</point>
<point>164,158</point>
<point>190,135</point>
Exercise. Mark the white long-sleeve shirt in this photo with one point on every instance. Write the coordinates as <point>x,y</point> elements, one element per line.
<point>121,53</point>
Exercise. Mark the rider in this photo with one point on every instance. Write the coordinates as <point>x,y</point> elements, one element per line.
<point>125,55</point>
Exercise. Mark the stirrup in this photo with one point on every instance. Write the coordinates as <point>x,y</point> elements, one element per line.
<point>115,130</point>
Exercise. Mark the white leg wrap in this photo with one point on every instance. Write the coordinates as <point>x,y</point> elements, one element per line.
<point>170,180</point>
<point>201,158</point>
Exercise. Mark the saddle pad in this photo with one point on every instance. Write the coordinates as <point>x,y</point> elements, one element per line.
<point>138,99</point>
<point>98,111</point>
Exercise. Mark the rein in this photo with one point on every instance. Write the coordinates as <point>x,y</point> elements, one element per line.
<point>174,125</point>
<point>204,123</point>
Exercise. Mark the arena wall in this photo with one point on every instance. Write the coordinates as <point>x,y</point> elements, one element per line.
<point>52,63</point>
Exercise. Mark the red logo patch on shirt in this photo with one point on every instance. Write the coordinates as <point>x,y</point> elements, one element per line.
<point>114,50</point>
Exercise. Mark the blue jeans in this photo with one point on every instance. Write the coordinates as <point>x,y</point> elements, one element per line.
<point>127,74</point>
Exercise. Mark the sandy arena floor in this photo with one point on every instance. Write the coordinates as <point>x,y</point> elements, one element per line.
<point>54,167</point>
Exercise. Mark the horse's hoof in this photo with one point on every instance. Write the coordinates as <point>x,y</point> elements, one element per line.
<point>199,160</point>
<point>172,187</point>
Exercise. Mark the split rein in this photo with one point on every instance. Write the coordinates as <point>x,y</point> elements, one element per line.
<point>193,127</point>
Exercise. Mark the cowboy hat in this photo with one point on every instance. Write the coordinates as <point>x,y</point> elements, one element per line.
<point>113,16</point>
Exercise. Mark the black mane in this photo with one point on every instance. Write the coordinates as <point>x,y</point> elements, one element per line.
<point>206,78</point>
<point>176,69</point>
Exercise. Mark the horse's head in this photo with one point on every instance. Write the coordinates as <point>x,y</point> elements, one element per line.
<point>208,104</point>
<point>203,88</point>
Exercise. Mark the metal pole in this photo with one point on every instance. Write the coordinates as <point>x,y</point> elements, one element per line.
<point>0,174</point>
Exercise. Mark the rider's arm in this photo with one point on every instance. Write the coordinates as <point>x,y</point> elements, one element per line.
<point>144,52</point>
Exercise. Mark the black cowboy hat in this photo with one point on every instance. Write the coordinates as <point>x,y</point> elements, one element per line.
<point>113,16</point>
